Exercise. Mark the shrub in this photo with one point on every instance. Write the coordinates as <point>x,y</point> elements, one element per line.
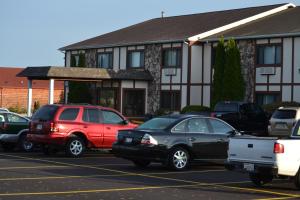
<point>270,108</point>
<point>17,109</point>
<point>195,108</point>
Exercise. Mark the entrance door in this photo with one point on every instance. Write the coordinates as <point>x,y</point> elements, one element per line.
<point>108,97</point>
<point>134,102</point>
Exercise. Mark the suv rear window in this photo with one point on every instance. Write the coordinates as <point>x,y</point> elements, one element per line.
<point>284,114</point>
<point>45,113</point>
<point>226,107</point>
<point>69,114</point>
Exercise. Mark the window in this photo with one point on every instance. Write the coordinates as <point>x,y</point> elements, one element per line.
<point>69,114</point>
<point>197,125</point>
<point>135,59</point>
<point>268,55</point>
<point>45,113</point>
<point>284,114</point>
<point>2,119</point>
<point>134,102</point>
<point>170,100</point>
<point>110,117</point>
<point>262,99</point>
<point>105,60</point>
<point>180,128</point>
<point>91,115</point>
<point>15,119</point>
<point>159,123</point>
<point>171,58</point>
<point>219,127</point>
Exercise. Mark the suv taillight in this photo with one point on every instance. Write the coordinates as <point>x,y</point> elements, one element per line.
<point>53,127</point>
<point>278,148</point>
<point>148,139</point>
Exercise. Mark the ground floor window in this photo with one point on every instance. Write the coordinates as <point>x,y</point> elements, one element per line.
<point>108,97</point>
<point>267,98</point>
<point>133,102</point>
<point>170,100</point>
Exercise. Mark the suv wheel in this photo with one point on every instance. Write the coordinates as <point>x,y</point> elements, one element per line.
<point>179,159</point>
<point>24,144</point>
<point>75,147</point>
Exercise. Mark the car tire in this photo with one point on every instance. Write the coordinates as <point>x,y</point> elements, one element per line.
<point>179,159</point>
<point>297,179</point>
<point>75,147</point>
<point>7,147</point>
<point>260,179</point>
<point>141,163</point>
<point>24,144</point>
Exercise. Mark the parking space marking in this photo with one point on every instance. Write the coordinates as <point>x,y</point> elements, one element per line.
<point>277,198</point>
<point>158,177</point>
<point>35,167</point>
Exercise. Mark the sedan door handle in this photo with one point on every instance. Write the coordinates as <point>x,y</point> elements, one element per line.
<point>192,139</point>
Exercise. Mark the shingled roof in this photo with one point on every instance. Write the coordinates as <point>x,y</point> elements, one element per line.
<point>282,24</point>
<point>167,29</point>
<point>84,73</point>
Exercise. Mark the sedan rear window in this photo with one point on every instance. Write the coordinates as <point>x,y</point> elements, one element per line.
<point>45,113</point>
<point>157,123</point>
<point>284,114</point>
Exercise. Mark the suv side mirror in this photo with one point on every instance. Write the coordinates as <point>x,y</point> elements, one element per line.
<point>125,122</point>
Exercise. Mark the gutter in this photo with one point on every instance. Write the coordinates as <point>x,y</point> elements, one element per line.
<point>279,35</point>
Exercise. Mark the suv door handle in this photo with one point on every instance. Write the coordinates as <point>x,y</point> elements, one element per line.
<point>108,128</point>
<point>85,126</point>
<point>192,139</point>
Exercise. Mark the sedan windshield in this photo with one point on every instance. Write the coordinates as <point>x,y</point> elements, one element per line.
<point>157,123</point>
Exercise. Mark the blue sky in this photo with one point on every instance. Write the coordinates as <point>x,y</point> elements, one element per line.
<point>31,31</point>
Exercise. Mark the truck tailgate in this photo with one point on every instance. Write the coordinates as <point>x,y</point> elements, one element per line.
<point>252,149</point>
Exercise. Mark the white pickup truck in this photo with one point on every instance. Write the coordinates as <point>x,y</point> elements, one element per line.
<point>265,158</point>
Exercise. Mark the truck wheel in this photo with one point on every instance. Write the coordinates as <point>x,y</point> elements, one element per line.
<point>24,144</point>
<point>75,147</point>
<point>179,159</point>
<point>260,179</point>
<point>141,163</point>
<point>297,180</point>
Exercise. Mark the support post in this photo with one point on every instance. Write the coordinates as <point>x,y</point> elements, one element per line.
<point>51,91</point>
<point>66,91</point>
<point>29,98</point>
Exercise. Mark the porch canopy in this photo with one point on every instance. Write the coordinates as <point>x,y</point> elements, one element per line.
<point>52,73</point>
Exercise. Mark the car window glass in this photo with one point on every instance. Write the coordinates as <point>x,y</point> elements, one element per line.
<point>219,126</point>
<point>284,114</point>
<point>197,125</point>
<point>110,117</point>
<point>15,118</point>
<point>181,127</point>
<point>69,114</point>
<point>2,119</point>
<point>45,113</point>
<point>91,115</point>
<point>159,123</point>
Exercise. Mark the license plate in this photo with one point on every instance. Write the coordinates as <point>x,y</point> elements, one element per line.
<point>281,126</point>
<point>39,126</point>
<point>249,167</point>
<point>128,140</point>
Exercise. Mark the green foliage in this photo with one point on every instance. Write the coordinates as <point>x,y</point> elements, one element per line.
<point>36,106</point>
<point>270,108</point>
<point>195,108</point>
<point>79,92</point>
<point>17,109</point>
<point>217,93</point>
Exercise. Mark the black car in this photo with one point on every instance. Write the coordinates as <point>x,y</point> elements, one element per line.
<point>175,141</point>
<point>247,117</point>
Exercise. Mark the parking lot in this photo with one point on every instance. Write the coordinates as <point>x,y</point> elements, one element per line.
<point>99,175</point>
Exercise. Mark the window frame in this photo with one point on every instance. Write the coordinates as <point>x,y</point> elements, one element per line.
<point>111,59</point>
<point>178,50</point>
<point>257,64</point>
<point>129,62</point>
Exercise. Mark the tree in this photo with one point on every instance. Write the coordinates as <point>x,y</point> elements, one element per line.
<point>217,92</point>
<point>79,92</point>
<point>233,82</point>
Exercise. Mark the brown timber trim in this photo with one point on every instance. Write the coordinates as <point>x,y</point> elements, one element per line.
<point>293,68</point>
<point>188,99</point>
<point>202,87</point>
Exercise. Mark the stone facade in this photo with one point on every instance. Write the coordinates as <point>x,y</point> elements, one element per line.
<point>247,51</point>
<point>152,63</point>
<point>90,58</point>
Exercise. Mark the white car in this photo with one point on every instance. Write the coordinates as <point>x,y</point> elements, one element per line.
<point>4,110</point>
<point>266,157</point>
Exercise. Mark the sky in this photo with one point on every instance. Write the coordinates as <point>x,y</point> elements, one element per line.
<point>32,31</point>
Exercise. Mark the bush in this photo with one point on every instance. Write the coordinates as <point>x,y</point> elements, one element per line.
<point>270,108</point>
<point>17,109</point>
<point>195,108</point>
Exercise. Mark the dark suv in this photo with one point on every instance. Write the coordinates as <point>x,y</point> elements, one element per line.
<point>75,128</point>
<point>247,117</point>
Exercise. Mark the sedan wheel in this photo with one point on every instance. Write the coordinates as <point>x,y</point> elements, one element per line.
<point>179,159</point>
<point>25,145</point>
<point>75,147</point>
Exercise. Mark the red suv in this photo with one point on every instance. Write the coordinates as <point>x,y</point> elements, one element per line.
<point>76,127</point>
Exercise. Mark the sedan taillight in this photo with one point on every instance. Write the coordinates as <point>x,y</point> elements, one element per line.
<point>148,139</point>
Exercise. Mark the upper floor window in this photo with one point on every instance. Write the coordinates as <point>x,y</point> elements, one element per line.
<point>268,55</point>
<point>135,59</point>
<point>171,58</point>
<point>78,60</point>
<point>105,60</point>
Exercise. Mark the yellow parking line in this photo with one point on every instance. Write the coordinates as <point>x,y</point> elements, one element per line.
<point>162,178</point>
<point>277,198</point>
<point>34,167</point>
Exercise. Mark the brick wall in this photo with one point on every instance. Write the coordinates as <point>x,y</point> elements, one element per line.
<point>12,97</point>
